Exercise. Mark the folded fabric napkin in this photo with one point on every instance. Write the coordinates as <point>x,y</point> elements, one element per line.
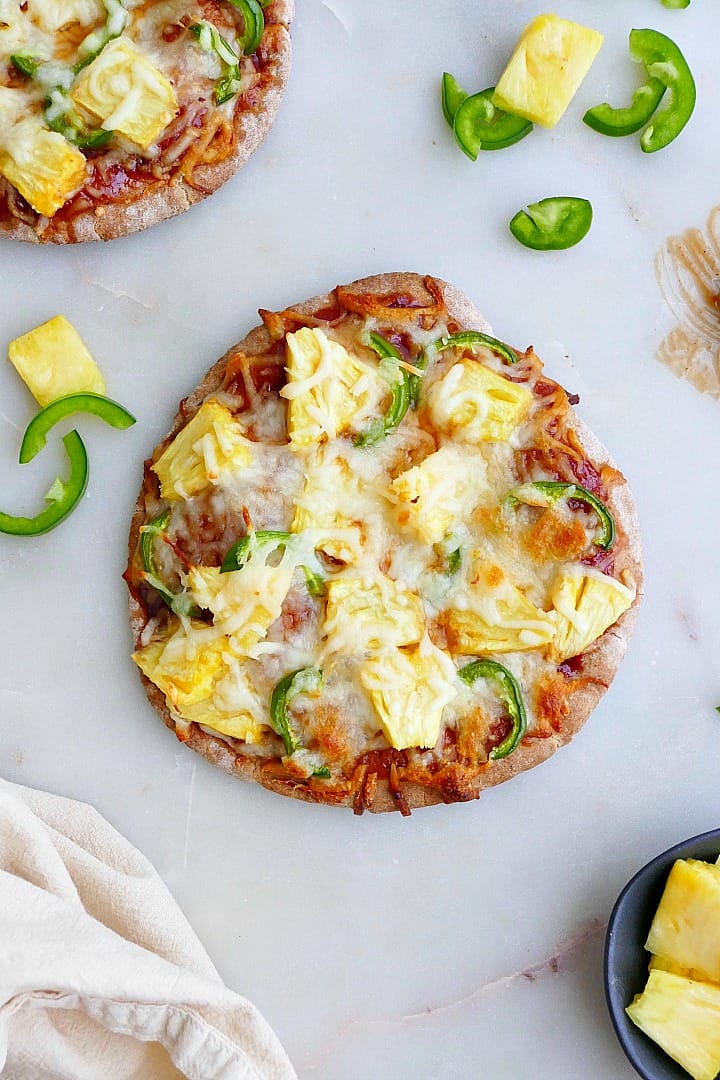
<point>101,975</point>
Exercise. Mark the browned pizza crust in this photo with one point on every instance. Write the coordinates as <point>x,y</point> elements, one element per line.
<point>600,662</point>
<point>111,221</point>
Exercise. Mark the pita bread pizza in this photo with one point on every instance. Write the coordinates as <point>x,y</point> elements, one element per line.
<point>379,562</point>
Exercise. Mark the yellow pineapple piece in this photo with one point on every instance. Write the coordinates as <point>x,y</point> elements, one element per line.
<point>123,90</point>
<point>686,927</point>
<point>44,167</point>
<point>409,689</point>
<point>476,405</point>
<point>327,388</point>
<point>52,360</point>
<point>587,603</point>
<point>206,451</point>
<point>661,963</point>
<point>498,616</point>
<point>549,63</point>
<point>683,1017</point>
<point>372,614</point>
<point>442,490</point>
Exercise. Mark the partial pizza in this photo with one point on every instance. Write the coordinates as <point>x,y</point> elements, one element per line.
<point>117,114</point>
<point>379,561</point>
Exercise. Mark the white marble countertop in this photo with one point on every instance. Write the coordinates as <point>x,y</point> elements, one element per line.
<point>466,940</point>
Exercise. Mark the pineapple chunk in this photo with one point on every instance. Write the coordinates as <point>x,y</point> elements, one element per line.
<point>372,614</point>
<point>683,1017</point>
<point>499,617</point>
<point>327,388</point>
<point>661,963</point>
<point>587,603</point>
<point>244,602</point>
<point>201,682</point>
<point>52,361</point>
<point>44,167</point>
<point>206,451</point>
<point>686,927</point>
<point>331,499</point>
<point>126,93</point>
<point>409,689</point>
<point>550,61</point>
<point>443,489</point>
<point>477,405</point>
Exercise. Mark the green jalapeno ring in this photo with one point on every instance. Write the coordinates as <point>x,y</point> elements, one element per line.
<point>453,96</point>
<point>618,122</point>
<point>473,338</point>
<point>35,437</point>
<point>676,4</point>
<point>553,224</point>
<point>180,603</point>
<point>553,490</point>
<point>63,496</point>
<point>478,125</point>
<point>510,692</point>
<point>239,553</point>
<point>253,25</point>
<point>302,681</point>
<point>399,380</point>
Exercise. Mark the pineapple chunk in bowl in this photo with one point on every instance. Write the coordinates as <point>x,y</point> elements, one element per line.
<point>627,959</point>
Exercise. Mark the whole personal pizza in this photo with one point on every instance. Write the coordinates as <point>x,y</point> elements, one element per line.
<point>116,114</point>
<point>379,561</point>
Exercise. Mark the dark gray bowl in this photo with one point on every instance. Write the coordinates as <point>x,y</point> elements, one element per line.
<point>626,961</point>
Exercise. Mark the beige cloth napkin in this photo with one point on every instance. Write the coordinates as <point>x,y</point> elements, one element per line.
<point>101,976</point>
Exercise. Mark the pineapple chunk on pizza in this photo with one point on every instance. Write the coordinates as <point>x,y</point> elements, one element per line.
<point>586,603</point>
<point>327,388</point>
<point>497,616</point>
<point>244,602</point>
<point>202,682</point>
<point>52,360</point>
<point>44,167</point>
<point>683,1017</point>
<point>208,449</point>
<point>686,927</point>
<point>332,499</point>
<point>126,93</point>
<point>474,404</point>
<point>433,496</point>
<point>370,614</point>
<point>409,689</point>
<point>550,61</point>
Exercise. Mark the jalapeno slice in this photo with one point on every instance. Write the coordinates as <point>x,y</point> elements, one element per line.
<point>239,553</point>
<point>480,125</point>
<point>664,61</point>
<point>547,492</point>
<point>453,96</point>
<point>617,122</point>
<point>402,389</point>
<point>180,603</point>
<point>253,25</point>
<point>677,4</point>
<point>553,224</point>
<point>35,437</point>
<point>303,681</point>
<point>509,689</point>
<point>63,496</point>
<point>475,338</point>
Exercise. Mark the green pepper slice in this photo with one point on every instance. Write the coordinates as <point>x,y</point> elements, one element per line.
<point>303,681</point>
<point>480,125</point>
<point>180,603</point>
<point>239,553</point>
<point>553,224</point>
<point>211,41</point>
<point>110,411</point>
<point>664,61</point>
<point>547,492</point>
<point>475,338</point>
<point>617,122</point>
<point>676,4</point>
<point>507,685</point>
<point>399,379</point>
<point>63,496</point>
<point>453,96</point>
<point>253,25</point>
